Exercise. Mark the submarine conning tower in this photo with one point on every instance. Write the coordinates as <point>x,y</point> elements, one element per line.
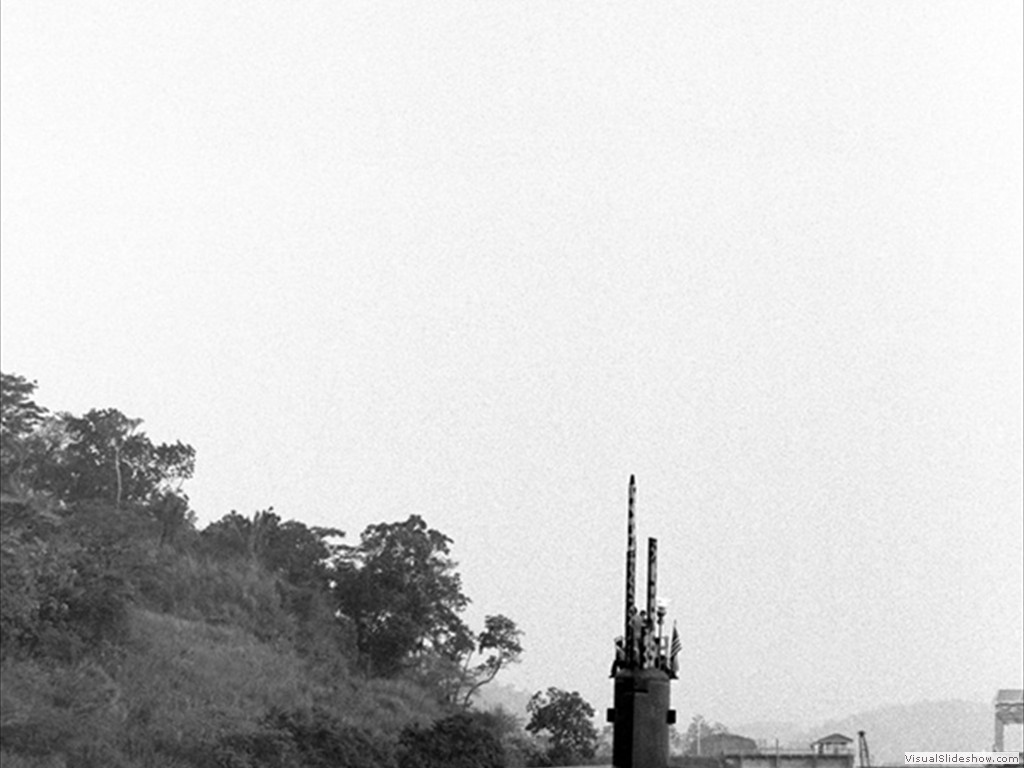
<point>645,664</point>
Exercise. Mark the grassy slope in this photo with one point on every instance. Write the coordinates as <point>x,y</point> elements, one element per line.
<point>176,688</point>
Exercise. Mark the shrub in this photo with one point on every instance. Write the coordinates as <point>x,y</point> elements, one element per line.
<point>306,738</point>
<point>57,600</point>
<point>59,711</point>
<point>388,705</point>
<point>233,592</point>
<point>463,740</point>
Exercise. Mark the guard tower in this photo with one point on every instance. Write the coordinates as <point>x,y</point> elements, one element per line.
<point>1009,706</point>
<point>644,665</point>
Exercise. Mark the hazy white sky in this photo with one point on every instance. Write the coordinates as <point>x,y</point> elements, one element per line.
<point>481,261</point>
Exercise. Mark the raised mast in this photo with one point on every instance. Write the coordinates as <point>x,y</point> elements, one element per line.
<point>652,578</point>
<point>631,573</point>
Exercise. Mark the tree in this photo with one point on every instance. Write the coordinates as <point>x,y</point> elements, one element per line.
<point>228,537</point>
<point>37,466</point>
<point>107,458</point>
<point>19,416</point>
<point>99,456</point>
<point>400,589</point>
<point>699,730</point>
<point>299,559</point>
<point>299,554</point>
<point>172,514</point>
<point>500,640</point>
<point>567,718</point>
<point>462,740</point>
<point>302,554</point>
<point>302,738</point>
<point>66,587</point>
<point>19,413</point>
<point>235,535</point>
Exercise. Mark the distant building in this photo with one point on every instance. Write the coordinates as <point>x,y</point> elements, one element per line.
<point>832,751</point>
<point>833,744</point>
<point>726,744</point>
<point>1009,705</point>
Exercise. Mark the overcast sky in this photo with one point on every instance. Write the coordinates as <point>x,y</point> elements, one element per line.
<point>480,261</point>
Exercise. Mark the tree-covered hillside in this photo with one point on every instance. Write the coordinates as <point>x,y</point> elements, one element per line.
<point>131,637</point>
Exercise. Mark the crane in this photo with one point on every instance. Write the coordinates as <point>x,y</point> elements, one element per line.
<point>863,757</point>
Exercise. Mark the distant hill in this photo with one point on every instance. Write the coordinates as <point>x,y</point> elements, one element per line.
<point>892,730</point>
<point>957,726</point>
<point>769,730</point>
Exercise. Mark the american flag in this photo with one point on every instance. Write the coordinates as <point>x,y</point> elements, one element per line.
<point>677,646</point>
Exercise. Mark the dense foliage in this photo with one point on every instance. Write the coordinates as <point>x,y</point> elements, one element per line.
<point>462,740</point>
<point>130,637</point>
<point>568,719</point>
<point>699,730</point>
<point>400,588</point>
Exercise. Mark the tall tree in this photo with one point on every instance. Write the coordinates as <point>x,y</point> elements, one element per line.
<point>301,554</point>
<point>567,717</point>
<point>106,457</point>
<point>696,734</point>
<point>400,589</point>
<point>298,553</point>
<point>19,416</point>
<point>19,413</point>
<point>499,643</point>
<point>228,537</point>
